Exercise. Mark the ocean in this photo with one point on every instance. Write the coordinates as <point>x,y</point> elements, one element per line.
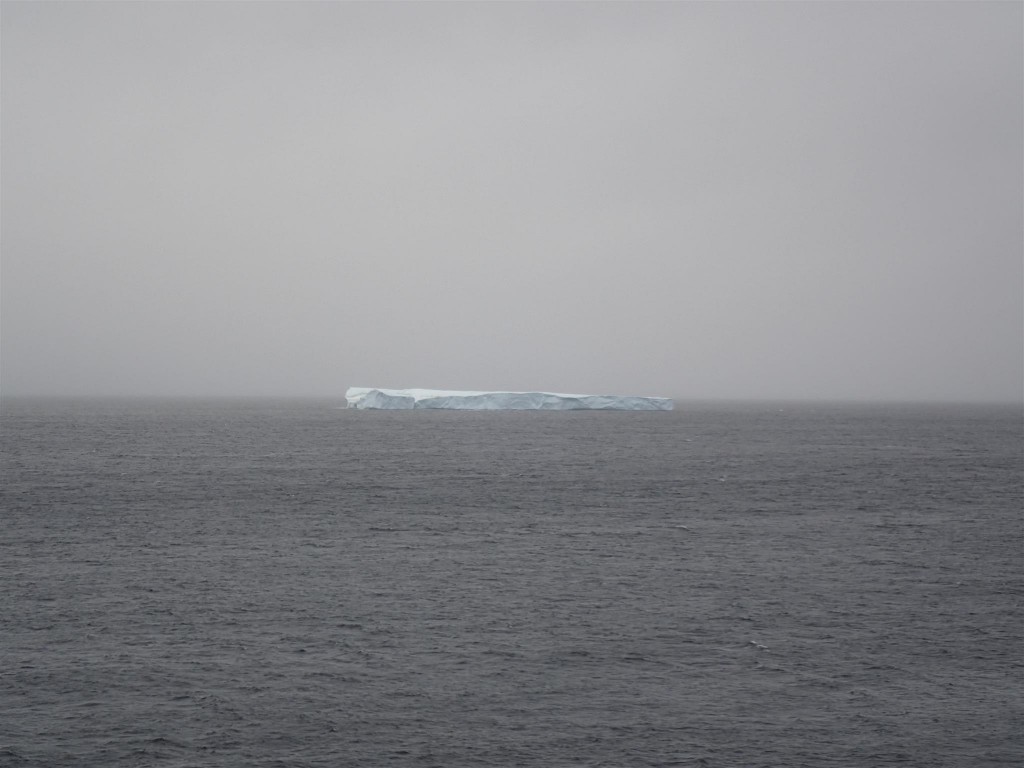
<point>289,583</point>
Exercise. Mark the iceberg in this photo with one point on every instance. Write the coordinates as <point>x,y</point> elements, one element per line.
<point>365,398</point>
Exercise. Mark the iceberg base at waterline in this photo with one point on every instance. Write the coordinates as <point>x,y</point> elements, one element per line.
<point>366,398</point>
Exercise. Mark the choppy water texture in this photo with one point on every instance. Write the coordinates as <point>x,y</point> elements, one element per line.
<point>289,584</point>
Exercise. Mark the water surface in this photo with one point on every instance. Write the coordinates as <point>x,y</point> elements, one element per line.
<point>286,583</point>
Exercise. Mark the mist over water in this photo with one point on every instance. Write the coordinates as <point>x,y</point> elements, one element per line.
<point>259,583</point>
<point>811,202</point>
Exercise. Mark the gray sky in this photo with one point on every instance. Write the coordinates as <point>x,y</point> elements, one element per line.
<point>771,200</point>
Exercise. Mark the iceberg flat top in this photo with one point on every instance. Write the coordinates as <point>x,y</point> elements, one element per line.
<point>473,400</point>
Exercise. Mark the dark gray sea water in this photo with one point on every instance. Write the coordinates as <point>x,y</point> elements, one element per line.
<point>268,583</point>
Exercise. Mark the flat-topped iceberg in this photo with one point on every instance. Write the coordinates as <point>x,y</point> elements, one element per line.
<point>405,399</point>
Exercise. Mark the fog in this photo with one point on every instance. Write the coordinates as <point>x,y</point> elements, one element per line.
<point>697,200</point>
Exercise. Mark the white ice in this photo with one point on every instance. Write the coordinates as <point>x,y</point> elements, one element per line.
<point>405,399</point>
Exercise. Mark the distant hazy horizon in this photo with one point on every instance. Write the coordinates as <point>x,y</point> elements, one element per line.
<point>681,402</point>
<point>704,201</point>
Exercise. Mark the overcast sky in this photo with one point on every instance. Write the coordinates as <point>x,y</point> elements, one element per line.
<point>706,200</point>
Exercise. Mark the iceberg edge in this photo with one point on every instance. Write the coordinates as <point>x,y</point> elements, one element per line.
<point>371,398</point>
